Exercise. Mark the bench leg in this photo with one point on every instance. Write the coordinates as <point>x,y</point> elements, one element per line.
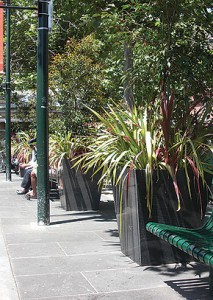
<point>211,281</point>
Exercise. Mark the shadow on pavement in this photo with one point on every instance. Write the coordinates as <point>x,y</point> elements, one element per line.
<point>196,288</point>
<point>105,214</point>
<point>191,289</point>
<point>196,269</point>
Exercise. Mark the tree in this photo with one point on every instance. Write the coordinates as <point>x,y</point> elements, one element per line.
<point>169,40</point>
<point>76,79</point>
<point>67,23</point>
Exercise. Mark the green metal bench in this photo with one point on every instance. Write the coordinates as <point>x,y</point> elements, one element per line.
<point>196,242</point>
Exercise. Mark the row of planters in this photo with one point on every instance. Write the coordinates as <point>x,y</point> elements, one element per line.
<point>159,162</point>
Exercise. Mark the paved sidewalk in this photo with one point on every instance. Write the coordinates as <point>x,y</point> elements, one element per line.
<point>78,257</point>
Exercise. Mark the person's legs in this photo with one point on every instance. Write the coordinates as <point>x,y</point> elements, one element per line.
<point>33,193</point>
<point>26,182</point>
<point>34,184</point>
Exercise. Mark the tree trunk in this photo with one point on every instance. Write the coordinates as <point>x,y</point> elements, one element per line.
<point>128,65</point>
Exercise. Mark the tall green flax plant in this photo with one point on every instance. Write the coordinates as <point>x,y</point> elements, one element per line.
<point>151,138</point>
<point>126,141</point>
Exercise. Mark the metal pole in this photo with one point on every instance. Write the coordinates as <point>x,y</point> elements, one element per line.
<point>8,100</point>
<point>18,7</point>
<point>42,115</point>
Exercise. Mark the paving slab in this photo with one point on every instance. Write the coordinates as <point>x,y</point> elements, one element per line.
<point>17,221</point>
<point>122,280</point>
<point>39,234</point>
<point>83,247</point>
<point>8,288</point>
<point>53,285</point>
<point>83,225</point>
<point>178,271</point>
<point>111,234</point>
<point>32,250</point>
<point>17,228</point>
<point>164,293</point>
<point>66,264</point>
<point>6,212</point>
<point>12,205</point>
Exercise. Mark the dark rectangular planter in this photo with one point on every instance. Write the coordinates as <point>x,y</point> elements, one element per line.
<point>141,246</point>
<point>77,190</point>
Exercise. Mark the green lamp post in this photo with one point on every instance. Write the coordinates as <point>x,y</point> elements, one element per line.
<point>44,9</point>
<point>8,100</point>
<point>42,115</point>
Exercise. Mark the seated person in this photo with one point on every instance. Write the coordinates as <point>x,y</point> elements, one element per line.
<point>26,182</point>
<point>33,193</point>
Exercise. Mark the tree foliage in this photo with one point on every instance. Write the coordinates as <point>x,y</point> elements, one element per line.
<point>169,41</point>
<point>76,78</point>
